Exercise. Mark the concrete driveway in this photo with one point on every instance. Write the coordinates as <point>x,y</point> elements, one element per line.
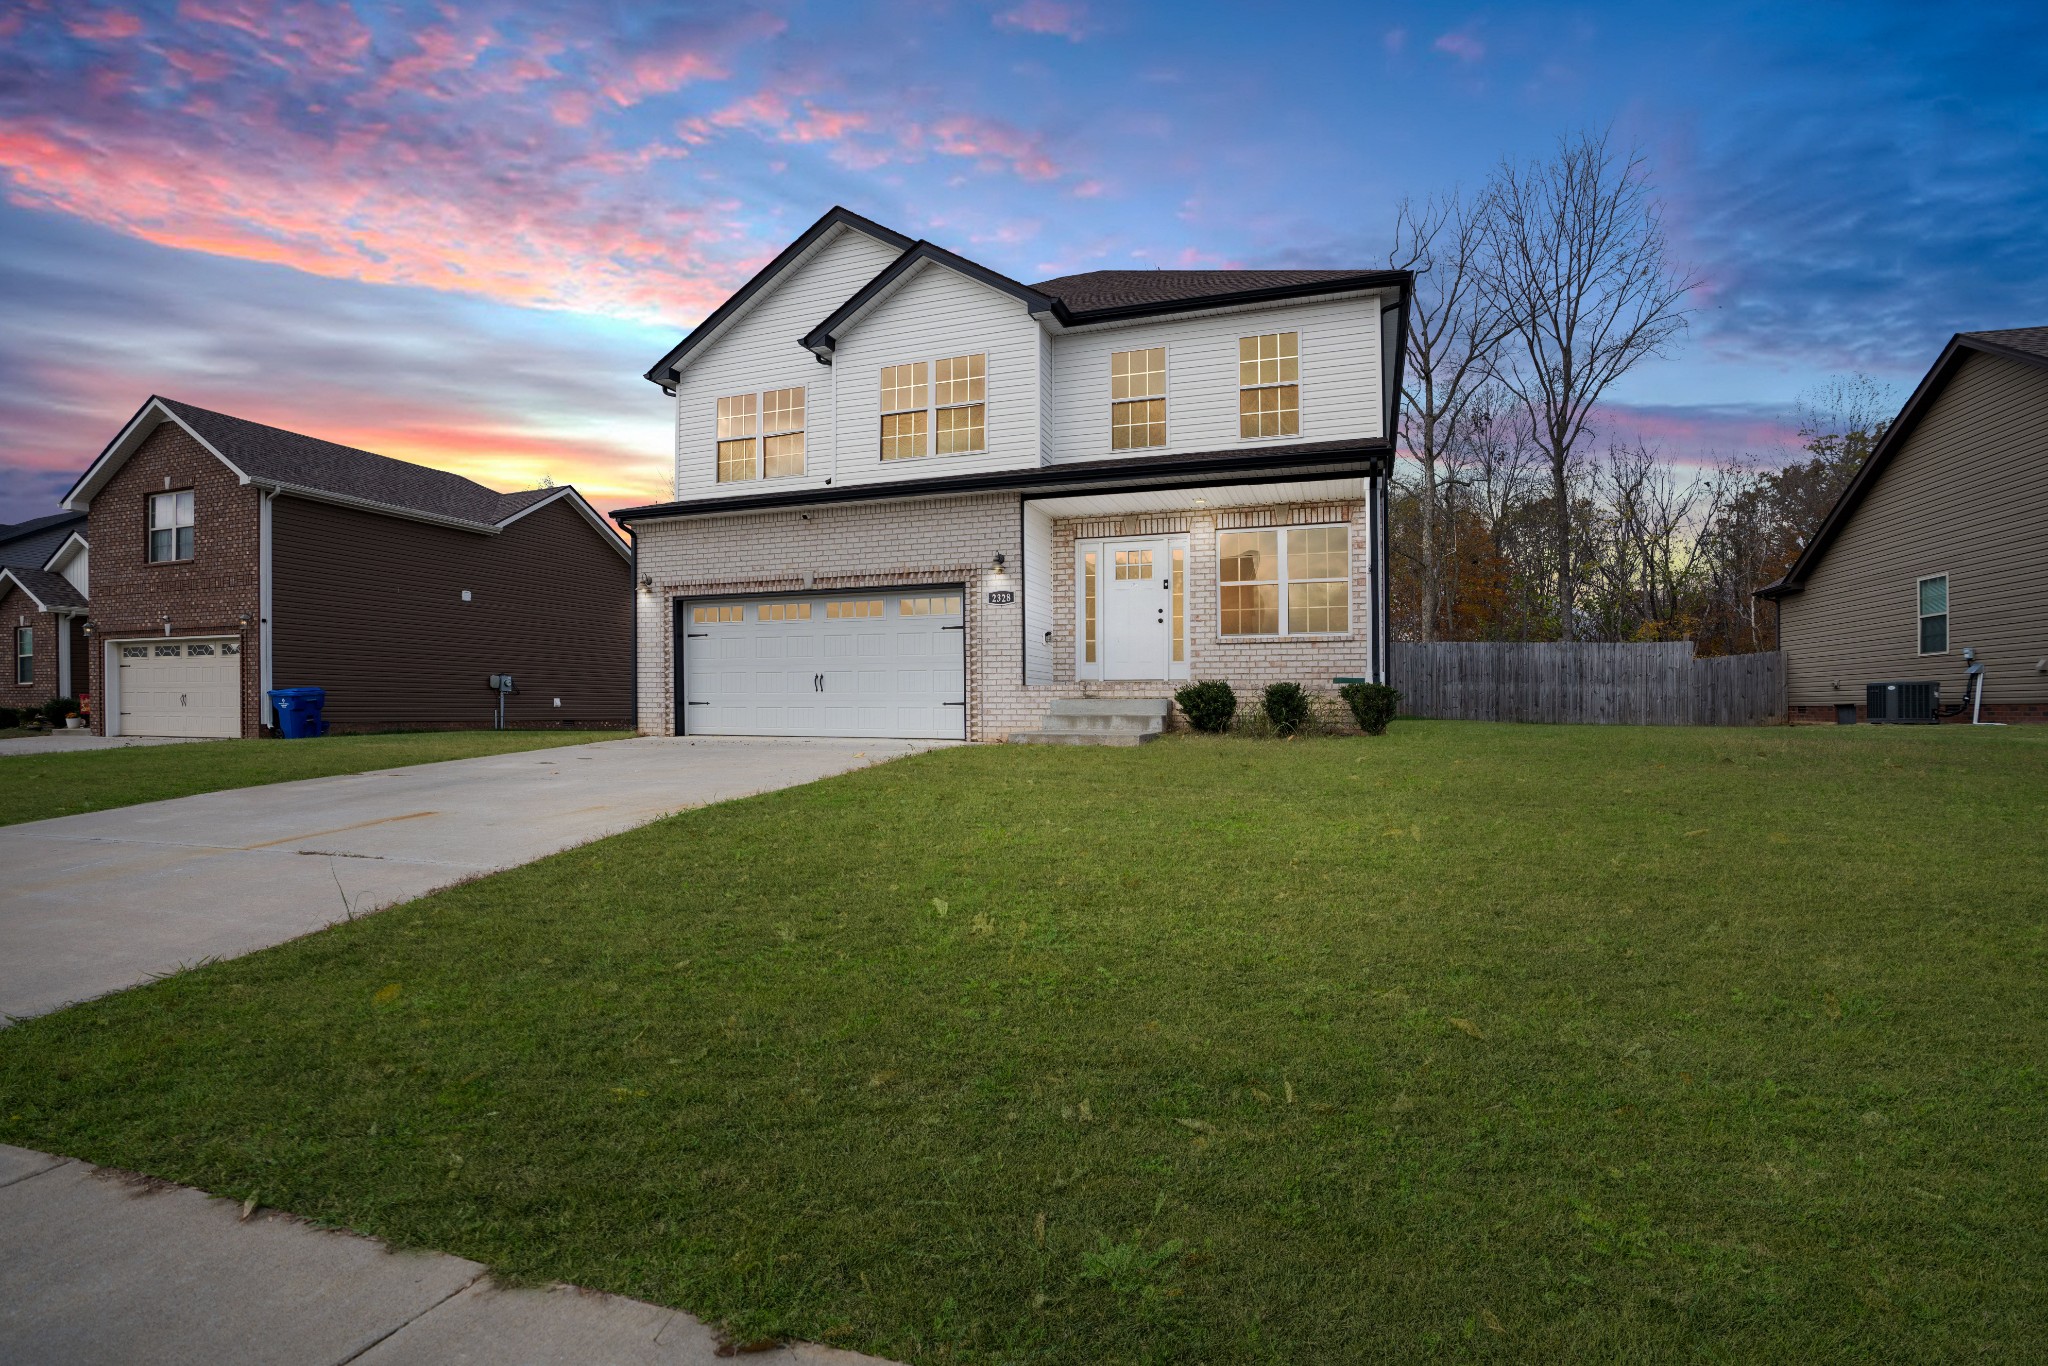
<point>93,903</point>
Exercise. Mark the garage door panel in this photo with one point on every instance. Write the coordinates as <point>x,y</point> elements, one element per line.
<point>848,678</point>
<point>180,688</point>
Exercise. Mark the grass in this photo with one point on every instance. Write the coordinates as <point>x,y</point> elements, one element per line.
<point>36,786</point>
<point>1469,1043</point>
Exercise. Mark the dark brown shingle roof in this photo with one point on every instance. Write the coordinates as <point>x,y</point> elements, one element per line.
<point>51,590</point>
<point>1094,289</point>
<point>32,543</point>
<point>2033,340</point>
<point>272,455</point>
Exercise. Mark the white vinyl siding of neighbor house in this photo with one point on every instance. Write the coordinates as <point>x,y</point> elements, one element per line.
<point>1340,376</point>
<point>934,313</point>
<point>759,351</point>
<point>1964,497</point>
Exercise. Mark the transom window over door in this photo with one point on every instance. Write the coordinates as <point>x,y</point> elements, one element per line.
<point>1934,615</point>
<point>1312,563</point>
<point>170,526</point>
<point>946,400</point>
<point>1269,385</point>
<point>1137,399</point>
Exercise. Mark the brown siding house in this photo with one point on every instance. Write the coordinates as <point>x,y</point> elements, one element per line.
<point>232,558</point>
<point>1936,546</point>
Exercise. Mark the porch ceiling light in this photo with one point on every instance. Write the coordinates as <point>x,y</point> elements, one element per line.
<point>1200,501</point>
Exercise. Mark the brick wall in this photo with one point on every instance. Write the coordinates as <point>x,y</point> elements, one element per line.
<point>17,609</point>
<point>955,540</point>
<point>206,595</point>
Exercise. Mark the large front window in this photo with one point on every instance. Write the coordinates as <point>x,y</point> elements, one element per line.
<point>1269,385</point>
<point>944,400</point>
<point>1305,570</point>
<point>761,436</point>
<point>170,526</point>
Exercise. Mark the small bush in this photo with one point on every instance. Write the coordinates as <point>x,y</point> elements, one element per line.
<point>9,718</point>
<point>57,708</point>
<point>1288,707</point>
<point>1208,705</point>
<point>1372,704</point>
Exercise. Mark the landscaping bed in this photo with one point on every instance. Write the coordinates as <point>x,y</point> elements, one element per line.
<point>1465,1042</point>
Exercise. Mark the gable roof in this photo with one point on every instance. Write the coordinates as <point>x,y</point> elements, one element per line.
<point>50,592</point>
<point>290,462</point>
<point>2027,345</point>
<point>1098,291</point>
<point>33,542</point>
<point>664,370</point>
<point>825,336</point>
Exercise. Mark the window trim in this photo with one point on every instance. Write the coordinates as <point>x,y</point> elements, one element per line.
<point>932,408</point>
<point>1920,618</point>
<point>1283,581</point>
<point>1300,398</point>
<point>150,528</point>
<point>1164,398</point>
<point>761,435</point>
<point>27,635</point>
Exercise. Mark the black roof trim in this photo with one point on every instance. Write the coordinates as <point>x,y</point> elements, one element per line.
<point>1373,457</point>
<point>1362,280</point>
<point>836,216</point>
<point>822,339</point>
<point>1930,387</point>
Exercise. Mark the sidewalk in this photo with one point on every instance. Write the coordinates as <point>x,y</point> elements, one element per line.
<point>99,1266</point>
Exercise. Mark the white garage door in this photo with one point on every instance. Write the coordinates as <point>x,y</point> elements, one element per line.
<point>871,664</point>
<point>181,687</point>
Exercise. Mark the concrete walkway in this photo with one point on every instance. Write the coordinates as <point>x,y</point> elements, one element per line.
<point>93,903</point>
<point>105,1267</point>
<point>75,741</point>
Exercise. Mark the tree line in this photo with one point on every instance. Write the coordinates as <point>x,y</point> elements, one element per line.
<point>1512,521</point>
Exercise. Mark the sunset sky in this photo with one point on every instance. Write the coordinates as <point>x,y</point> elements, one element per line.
<point>458,232</point>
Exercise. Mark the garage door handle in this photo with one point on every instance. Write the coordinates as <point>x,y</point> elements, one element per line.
<point>952,704</point>
<point>695,635</point>
<point>952,628</point>
<point>700,704</point>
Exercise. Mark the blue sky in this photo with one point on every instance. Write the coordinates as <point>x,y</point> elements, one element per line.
<point>458,232</point>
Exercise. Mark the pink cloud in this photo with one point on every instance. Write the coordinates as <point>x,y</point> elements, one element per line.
<point>993,145</point>
<point>107,26</point>
<point>1462,44</point>
<point>1049,17</point>
<point>658,74</point>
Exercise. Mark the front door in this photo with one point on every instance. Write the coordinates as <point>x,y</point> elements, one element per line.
<point>1137,598</point>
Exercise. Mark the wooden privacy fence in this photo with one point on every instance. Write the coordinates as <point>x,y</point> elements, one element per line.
<point>1587,684</point>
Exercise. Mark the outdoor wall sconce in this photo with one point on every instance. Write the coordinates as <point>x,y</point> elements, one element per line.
<point>89,629</point>
<point>646,583</point>
<point>999,562</point>
<point>246,621</point>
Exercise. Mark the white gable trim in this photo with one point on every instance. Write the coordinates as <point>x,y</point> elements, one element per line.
<point>582,505</point>
<point>152,415</point>
<point>7,576</point>
<point>62,556</point>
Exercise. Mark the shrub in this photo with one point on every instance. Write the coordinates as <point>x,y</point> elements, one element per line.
<point>1288,707</point>
<point>57,708</point>
<point>1208,705</point>
<point>9,718</point>
<point>1373,704</point>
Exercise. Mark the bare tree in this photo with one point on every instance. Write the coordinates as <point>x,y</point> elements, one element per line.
<point>1453,331</point>
<point>1579,271</point>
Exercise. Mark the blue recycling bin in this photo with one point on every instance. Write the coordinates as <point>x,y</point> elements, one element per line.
<point>298,711</point>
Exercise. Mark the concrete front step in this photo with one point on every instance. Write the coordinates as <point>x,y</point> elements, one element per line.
<point>1112,706</point>
<point>1100,721</point>
<point>1122,739</point>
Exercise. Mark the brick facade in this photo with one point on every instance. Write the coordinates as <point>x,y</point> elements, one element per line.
<point>956,540</point>
<point>17,609</point>
<point>204,596</point>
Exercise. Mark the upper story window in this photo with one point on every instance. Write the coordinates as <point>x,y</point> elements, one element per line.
<point>1934,615</point>
<point>24,655</point>
<point>943,401</point>
<point>1269,385</point>
<point>1313,565</point>
<point>1137,399</point>
<point>170,526</point>
<point>761,436</point>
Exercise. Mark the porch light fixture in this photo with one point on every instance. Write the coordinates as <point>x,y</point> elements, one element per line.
<point>646,583</point>
<point>246,621</point>
<point>89,629</point>
<point>999,562</point>
<point>1200,501</point>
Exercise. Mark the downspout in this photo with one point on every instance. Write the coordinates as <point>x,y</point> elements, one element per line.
<point>633,676</point>
<point>263,632</point>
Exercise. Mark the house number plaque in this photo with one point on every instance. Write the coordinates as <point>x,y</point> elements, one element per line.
<point>1002,595</point>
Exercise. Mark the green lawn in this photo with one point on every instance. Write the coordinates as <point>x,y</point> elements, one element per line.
<point>35,786</point>
<point>1469,1043</point>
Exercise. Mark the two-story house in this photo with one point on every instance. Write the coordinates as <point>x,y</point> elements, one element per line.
<point>44,586</point>
<point>914,497</point>
<point>230,558</point>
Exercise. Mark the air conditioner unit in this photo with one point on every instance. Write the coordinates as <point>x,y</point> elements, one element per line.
<point>1901,704</point>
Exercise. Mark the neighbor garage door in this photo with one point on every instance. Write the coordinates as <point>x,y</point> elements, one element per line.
<point>871,664</point>
<point>180,687</point>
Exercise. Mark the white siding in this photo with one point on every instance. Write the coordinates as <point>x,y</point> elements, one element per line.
<point>761,351</point>
<point>1340,376</point>
<point>932,313</point>
<point>1037,592</point>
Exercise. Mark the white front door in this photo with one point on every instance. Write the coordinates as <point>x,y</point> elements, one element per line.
<point>881,663</point>
<point>180,687</point>
<point>1137,603</point>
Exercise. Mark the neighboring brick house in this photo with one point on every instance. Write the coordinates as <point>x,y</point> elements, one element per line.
<point>233,558</point>
<point>43,603</point>
<point>995,496</point>
<point>1935,548</point>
